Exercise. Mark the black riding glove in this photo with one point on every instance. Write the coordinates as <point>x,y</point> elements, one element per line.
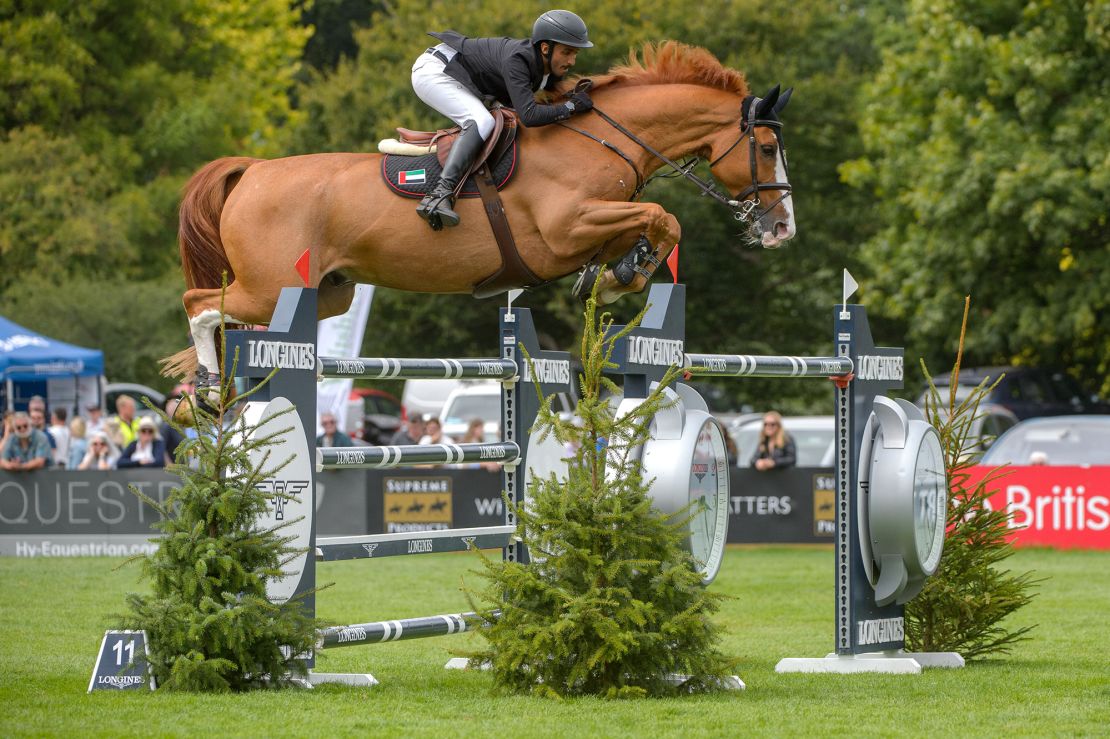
<point>579,102</point>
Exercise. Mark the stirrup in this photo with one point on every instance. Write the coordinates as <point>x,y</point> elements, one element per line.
<point>430,210</point>
<point>584,285</point>
<point>635,262</point>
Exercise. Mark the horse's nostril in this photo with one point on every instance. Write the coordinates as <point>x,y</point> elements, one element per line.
<point>781,230</point>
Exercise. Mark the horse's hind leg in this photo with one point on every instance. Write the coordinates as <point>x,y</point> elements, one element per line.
<point>207,308</point>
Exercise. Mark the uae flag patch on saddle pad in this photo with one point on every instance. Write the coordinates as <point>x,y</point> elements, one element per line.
<point>414,177</point>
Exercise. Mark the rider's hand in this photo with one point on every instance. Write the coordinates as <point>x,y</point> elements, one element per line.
<point>580,102</point>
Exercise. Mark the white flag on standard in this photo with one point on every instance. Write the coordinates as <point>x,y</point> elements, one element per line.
<point>341,336</point>
<point>850,287</point>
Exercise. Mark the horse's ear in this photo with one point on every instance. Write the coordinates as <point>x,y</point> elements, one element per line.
<point>784,99</point>
<point>767,102</point>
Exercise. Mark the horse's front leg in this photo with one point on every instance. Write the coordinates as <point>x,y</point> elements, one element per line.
<point>642,233</point>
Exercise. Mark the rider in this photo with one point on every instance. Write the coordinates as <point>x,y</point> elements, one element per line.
<point>456,75</point>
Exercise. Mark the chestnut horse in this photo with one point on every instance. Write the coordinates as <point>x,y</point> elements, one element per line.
<point>574,201</point>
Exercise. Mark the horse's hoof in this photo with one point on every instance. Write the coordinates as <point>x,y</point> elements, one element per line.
<point>183,413</point>
<point>584,285</point>
<point>208,399</point>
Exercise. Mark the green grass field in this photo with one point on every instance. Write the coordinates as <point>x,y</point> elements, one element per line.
<point>55,611</point>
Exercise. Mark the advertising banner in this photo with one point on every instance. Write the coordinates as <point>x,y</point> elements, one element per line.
<point>79,514</point>
<point>341,336</point>
<point>1064,507</point>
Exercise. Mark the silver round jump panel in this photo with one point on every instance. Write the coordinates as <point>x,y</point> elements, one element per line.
<point>752,365</point>
<point>379,368</point>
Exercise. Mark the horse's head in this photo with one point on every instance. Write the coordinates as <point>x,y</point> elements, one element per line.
<point>753,168</point>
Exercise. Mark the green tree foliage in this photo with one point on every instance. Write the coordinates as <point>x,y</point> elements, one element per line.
<point>108,105</point>
<point>613,604</point>
<point>988,149</point>
<point>211,626</point>
<point>964,606</point>
<point>136,324</point>
<point>743,298</point>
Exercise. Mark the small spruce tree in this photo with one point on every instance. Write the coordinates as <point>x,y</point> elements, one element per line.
<point>209,622</point>
<point>612,604</point>
<point>963,606</point>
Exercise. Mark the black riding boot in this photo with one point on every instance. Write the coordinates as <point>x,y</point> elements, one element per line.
<point>436,207</point>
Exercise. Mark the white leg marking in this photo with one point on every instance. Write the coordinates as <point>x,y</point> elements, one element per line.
<point>203,328</point>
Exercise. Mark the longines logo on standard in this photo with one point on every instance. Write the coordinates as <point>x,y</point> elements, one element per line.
<point>880,631</point>
<point>281,354</point>
<point>120,681</point>
<point>876,367</point>
<point>659,352</point>
<point>547,370</point>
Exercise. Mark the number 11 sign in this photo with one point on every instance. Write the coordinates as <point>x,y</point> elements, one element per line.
<point>122,663</point>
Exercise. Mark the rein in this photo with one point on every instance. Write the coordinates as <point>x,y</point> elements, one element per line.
<point>740,206</point>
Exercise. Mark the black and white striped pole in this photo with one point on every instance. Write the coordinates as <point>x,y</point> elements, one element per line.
<point>751,365</point>
<point>377,368</point>
<point>389,457</point>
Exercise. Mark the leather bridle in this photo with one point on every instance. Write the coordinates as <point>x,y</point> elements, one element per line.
<point>752,191</point>
<point>744,205</point>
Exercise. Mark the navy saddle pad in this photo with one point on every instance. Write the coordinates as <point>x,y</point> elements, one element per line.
<point>414,177</point>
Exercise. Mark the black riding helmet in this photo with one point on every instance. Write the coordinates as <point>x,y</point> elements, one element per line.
<point>561,27</point>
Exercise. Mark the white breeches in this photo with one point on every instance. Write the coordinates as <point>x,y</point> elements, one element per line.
<point>446,94</point>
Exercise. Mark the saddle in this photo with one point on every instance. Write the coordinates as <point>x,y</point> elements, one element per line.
<point>412,165</point>
<point>414,160</point>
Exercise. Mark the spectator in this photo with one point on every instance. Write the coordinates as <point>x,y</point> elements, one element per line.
<point>476,434</point>
<point>776,449</point>
<point>332,436</point>
<point>37,413</point>
<point>95,419</point>
<point>27,449</point>
<point>147,450</point>
<point>6,432</point>
<point>78,444</point>
<point>59,430</point>
<point>102,454</point>
<point>433,433</point>
<point>128,425</point>
<point>410,433</point>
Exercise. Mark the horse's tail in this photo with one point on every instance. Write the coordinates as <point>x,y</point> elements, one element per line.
<point>202,251</point>
<point>203,259</point>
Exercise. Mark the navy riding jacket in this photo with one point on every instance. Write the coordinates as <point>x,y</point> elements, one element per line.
<point>506,69</point>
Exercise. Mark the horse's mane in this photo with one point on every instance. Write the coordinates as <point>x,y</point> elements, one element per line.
<point>669,62</point>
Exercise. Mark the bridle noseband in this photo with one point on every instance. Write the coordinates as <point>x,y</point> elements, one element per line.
<point>741,207</point>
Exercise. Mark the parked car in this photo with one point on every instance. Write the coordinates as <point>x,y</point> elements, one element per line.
<point>1028,392</point>
<point>113,390</point>
<point>427,397</point>
<point>373,415</point>
<point>478,400</point>
<point>482,399</point>
<point>813,438</point>
<point>990,422</point>
<point>1059,440</point>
